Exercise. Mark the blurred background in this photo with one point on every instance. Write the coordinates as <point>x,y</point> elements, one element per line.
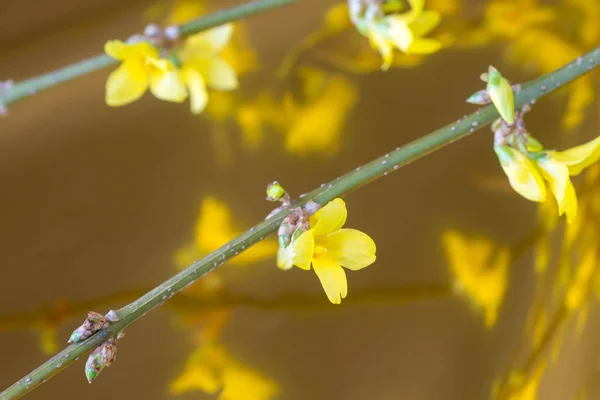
<point>100,204</point>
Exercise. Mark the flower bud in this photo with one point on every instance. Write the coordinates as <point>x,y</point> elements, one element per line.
<point>480,97</point>
<point>101,357</point>
<point>92,324</point>
<point>275,191</point>
<point>501,94</point>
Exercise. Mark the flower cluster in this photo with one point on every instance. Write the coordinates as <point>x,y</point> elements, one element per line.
<point>184,72</point>
<point>530,167</point>
<point>532,170</point>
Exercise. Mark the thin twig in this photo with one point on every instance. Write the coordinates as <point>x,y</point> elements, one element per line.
<point>342,185</point>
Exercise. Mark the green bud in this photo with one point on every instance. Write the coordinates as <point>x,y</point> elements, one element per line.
<point>101,357</point>
<point>275,191</point>
<point>480,97</point>
<point>533,145</point>
<point>497,124</point>
<point>501,94</point>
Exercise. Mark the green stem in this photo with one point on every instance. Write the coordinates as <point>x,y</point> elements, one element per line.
<point>377,168</point>
<point>29,87</point>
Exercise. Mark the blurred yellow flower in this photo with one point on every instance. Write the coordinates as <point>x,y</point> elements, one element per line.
<point>141,67</point>
<point>202,65</point>
<point>211,369</point>
<point>580,286</point>
<point>48,338</point>
<point>546,51</point>
<point>403,31</point>
<point>328,248</point>
<point>214,228</point>
<point>480,270</point>
<point>527,389</point>
<point>510,18</point>
<point>316,125</point>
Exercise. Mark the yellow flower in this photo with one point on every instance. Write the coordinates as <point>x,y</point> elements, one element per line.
<point>211,369</point>
<point>214,228</point>
<point>526,389</point>
<point>580,287</point>
<point>480,271</point>
<point>527,174</point>
<point>141,68</point>
<point>522,173</point>
<point>403,31</point>
<point>48,338</point>
<point>241,383</point>
<point>202,65</point>
<point>316,125</point>
<point>328,248</point>
<point>509,18</point>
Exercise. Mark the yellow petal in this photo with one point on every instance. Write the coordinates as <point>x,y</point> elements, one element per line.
<point>424,46</point>
<point>579,157</point>
<point>337,18</point>
<point>116,49</point>
<point>399,34</point>
<point>333,279</point>
<point>523,175</point>
<point>329,218</point>
<point>303,249</point>
<point>209,42</point>
<point>557,175</point>
<point>219,74</point>
<point>126,84</point>
<point>167,85</point>
<point>417,6</point>
<point>243,383</point>
<point>284,259</point>
<point>379,42</point>
<point>197,89</point>
<point>350,248</point>
<point>121,51</point>
<point>425,23</point>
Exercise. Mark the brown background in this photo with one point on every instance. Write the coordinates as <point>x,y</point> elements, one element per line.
<point>99,196</point>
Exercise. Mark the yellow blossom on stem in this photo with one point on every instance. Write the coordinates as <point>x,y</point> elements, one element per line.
<point>141,67</point>
<point>402,31</point>
<point>328,248</point>
<point>522,173</point>
<point>202,65</point>
<point>527,172</point>
<point>480,270</point>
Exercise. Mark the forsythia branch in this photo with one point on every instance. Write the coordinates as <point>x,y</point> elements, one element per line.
<point>13,92</point>
<point>528,94</point>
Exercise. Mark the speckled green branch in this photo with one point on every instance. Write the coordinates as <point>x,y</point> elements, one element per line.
<point>10,94</point>
<point>371,171</point>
